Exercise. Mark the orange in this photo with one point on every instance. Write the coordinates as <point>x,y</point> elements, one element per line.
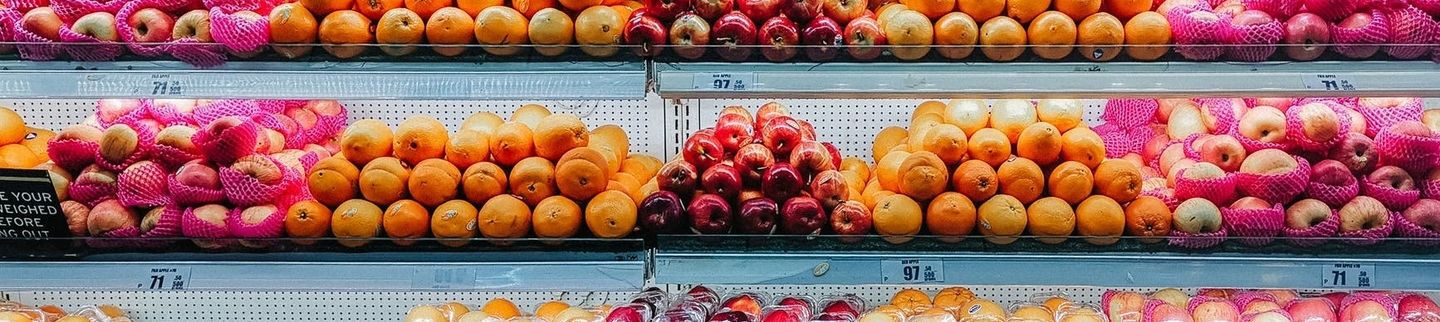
<point>556,217</point>
<point>611,214</point>
<point>910,34</point>
<point>910,299</point>
<point>333,181</point>
<point>975,179</point>
<point>1022,179</point>
<point>953,298</point>
<point>399,27</point>
<point>406,220</point>
<point>888,138</point>
<point>558,133</point>
<point>897,215</point>
<point>578,176</point>
<point>454,222</point>
<point>1118,179</point>
<point>981,310</point>
<point>433,182</point>
<point>580,5</point>
<point>1124,9</point>
<point>1101,219</point>
<point>888,170</point>
<point>504,217</point>
<point>1039,142</point>
<point>376,9</point>
<point>467,148</point>
<point>1025,10</point>
<point>18,156</point>
<point>950,214</point>
<point>1077,9</point>
<point>1052,35</point>
<point>549,310</point>
<point>948,143</point>
<point>366,140</point>
<point>1001,219</point>
<point>857,167</point>
<point>932,9</point>
<point>990,146</point>
<point>483,122</point>
<point>511,143</point>
<point>551,30</point>
<point>614,143</point>
<point>307,219</point>
<point>483,181</point>
<point>1147,36</point>
<point>1070,181</point>
<point>530,115</point>
<point>923,176</point>
<point>420,137</point>
<point>1100,37</point>
<point>1003,37</point>
<point>501,308</point>
<point>344,33</point>
<point>956,34</point>
<point>502,27</point>
<point>384,180</point>
<point>325,7</point>
<point>530,7</point>
<point>38,141</point>
<point>597,30</point>
<point>928,107</point>
<point>982,10</point>
<point>533,179</point>
<point>425,8</point>
<point>1050,217</point>
<point>355,222</point>
<point>292,23</point>
<point>473,7</point>
<point>1083,145</point>
<point>451,26</point>
<point>1148,213</point>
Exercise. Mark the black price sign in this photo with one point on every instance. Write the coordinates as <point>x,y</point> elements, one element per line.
<point>29,208</point>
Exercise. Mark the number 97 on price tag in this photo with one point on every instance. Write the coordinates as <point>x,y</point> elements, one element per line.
<point>912,271</point>
<point>724,81</point>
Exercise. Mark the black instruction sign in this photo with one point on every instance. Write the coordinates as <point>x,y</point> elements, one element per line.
<point>29,207</point>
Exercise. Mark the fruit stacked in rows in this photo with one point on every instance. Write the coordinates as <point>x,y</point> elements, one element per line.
<point>1262,168</point>
<point>701,303</point>
<point>202,169</point>
<point>752,174</point>
<point>106,30</point>
<point>21,146</point>
<point>1265,305</point>
<point>346,27</point>
<point>1250,30</point>
<point>19,312</point>
<point>1029,168</point>
<point>501,309</point>
<point>492,178</point>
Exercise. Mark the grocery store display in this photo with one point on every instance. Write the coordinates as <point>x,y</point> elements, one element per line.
<point>21,146</point>
<point>19,312</point>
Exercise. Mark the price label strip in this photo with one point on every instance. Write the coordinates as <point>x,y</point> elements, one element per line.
<point>1347,275</point>
<point>1328,82</point>
<point>163,85</point>
<point>164,278</point>
<point>912,271</point>
<point>725,82</point>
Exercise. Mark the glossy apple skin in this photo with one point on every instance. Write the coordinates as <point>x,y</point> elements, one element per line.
<point>662,212</point>
<point>864,39</point>
<point>780,36</point>
<point>733,33</point>
<point>802,216</point>
<point>844,11</point>
<point>850,218</point>
<point>713,9</point>
<point>703,150</point>
<point>710,214</point>
<point>762,10</point>
<point>782,182</point>
<point>679,177</point>
<point>752,160</point>
<point>722,179</point>
<point>781,134</point>
<point>734,131</point>
<point>151,25</point>
<point>1308,34</point>
<point>757,216</point>
<point>666,10</point>
<point>805,10</point>
<point>824,34</point>
<point>648,32</point>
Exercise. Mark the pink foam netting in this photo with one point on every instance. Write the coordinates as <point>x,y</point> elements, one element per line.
<point>1363,42</point>
<point>272,106</point>
<point>244,190</point>
<point>1202,299</point>
<point>1389,303</point>
<point>1380,118</point>
<point>1334,196</point>
<point>122,19</point>
<point>91,193</point>
<point>1196,241</point>
<point>143,185</point>
<point>1416,234</point>
<point>172,157</point>
<point>34,46</point>
<point>143,145</point>
<point>72,154</point>
<point>69,10</point>
<point>1252,145</point>
<point>1429,6</point>
<point>115,238</point>
<point>1295,128</point>
<point>229,6</point>
<point>138,115</point>
<point>1276,188</point>
<point>1225,119</point>
<point>192,196</point>
<point>1254,227</point>
<point>1166,195</point>
<point>279,123</point>
<point>1251,317</point>
<point>1315,235</point>
<point>1117,141</point>
<point>195,52</point>
<point>238,34</point>
<point>1430,189</point>
<point>1410,32</point>
<point>193,227</point>
<point>228,145</point>
<point>1253,42</point>
<point>1370,236</point>
<point>169,224</point>
<point>1415,154</point>
<point>1220,191</point>
<point>1129,112</point>
<point>326,127</point>
<point>23,5</point>
<point>1245,297</point>
<point>168,114</point>
<point>273,226</point>
<point>1188,146</point>
<point>1394,199</point>
<point>1276,8</point>
<point>215,110</point>
<point>1197,39</point>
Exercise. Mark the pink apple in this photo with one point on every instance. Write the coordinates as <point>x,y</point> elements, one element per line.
<point>1418,307</point>
<point>44,22</point>
<point>195,23</point>
<point>151,25</point>
<point>689,36</point>
<point>864,39</point>
<point>1216,311</point>
<point>1269,161</point>
<point>1125,306</point>
<point>1332,173</point>
<point>1250,203</point>
<point>1319,123</point>
<point>100,25</point>
<point>1311,310</point>
<point>1223,151</point>
<point>1165,312</point>
<point>1358,20</point>
<point>1393,177</point>
<point>1279,103</point>
<point>1425,213</point>
<point>1307,34</point>
<point>1264,124</point>
<point>1356,151</point>
<point>1363,213</point>
<point>1366,310</point>
<point>111,110</point>
<point>1154,147</point>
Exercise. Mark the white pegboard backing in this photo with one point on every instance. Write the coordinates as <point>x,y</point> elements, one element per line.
<point>52,114</point>
<point>294,306</point>
<point>850,124</point>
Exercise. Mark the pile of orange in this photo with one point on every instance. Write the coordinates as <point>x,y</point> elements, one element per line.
<point>537,172</point>
<point>1052,29</point>
<point>346,28</point>
<point>1001,170</point>
<point>502,309</point>
<point>21,146</point>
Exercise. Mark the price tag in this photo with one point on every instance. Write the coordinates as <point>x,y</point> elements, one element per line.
<point>164,278</point>
<point>1328,82</point>
<point>444,278</point>
<point>162,85</point>
<point>912,271</point>
<point>1344,275</point>
<point>725,81</point>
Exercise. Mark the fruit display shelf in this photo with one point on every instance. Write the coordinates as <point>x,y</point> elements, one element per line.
<point>344,80</point>
<point>520,264</point>
<point>1044,80</point>
<point>848,260</point>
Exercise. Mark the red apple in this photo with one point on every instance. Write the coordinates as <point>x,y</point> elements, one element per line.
<point>850,218</point>
<point>646,31</point>
<point>110,215</point>
<point>734,33</point>
<point>1307,34</point>
<point>1365,310</point>
<point>1166,312</point>
<point>1279,103</point>
<point>666,10</point>
<point>1224,151</point>
<point>739,111</point>
<point>662,212</point>
<point>757,216</point>
<point>1424,213</point>
<point>834,154</point>
<point>710,214</point>
<point>1416,307</point>
<point>733,131</point>
<point>703,151</point>
<point>782,135</point>
<point>1215,311</point>
<point>197,174</point>
<point>43,22</point>
<point>769,111</point>
<point>730,316</point>
<point>1154,147</point>
<point>1356,151</point>
<point>744,302</point>
<point>628,312</point>
<point>1319,123</point>
<point>830,188</point>
<point>782,182</point>
<point>150,25</point>
<point>803,216</point>
<point>711,10</point>
<point>689,35</point>
<point>1393,177</point>
<point>779,36</point>
<point>193,24</point>
<point>1358,20</point>
<point>753,159</point>
<point>1311,310</point>
<point>722,179</point>
<point>844,11</point>
<point>1363,213</point>
<point>761,10</point>
<point>810,158</point>
<point>822,39</point>
<point>807,131</point>
<point>1331,172</point>
<point>100,25</point>
<point>1250,203</point>
<point>805,10</point>
<point>679,177</point>
<point>864,39</point>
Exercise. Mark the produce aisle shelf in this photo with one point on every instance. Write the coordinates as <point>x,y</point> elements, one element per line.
<point>1050,79</point>
<point>330,80</point>
<point>798,260</point>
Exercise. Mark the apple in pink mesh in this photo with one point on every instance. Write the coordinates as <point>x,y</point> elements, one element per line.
<point>150,25</point>
<point>98,25</point>
<point>1306,213</point>
<point>1424,213</point>
<point>1250,203</point>
<point>1418,307</point>
<point>1312,310</point>
<point>1367,310</point>
<point>108,216</point>
<point>1392,177</point>
<point>43,22</point>
<point>1356,151</point>
<point>1215,311</point>
<point>1223,151</point>
<point>1307,34</point>
<point>1319,123</point>
<point>1263,124</point>
<point>1363,213</point>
